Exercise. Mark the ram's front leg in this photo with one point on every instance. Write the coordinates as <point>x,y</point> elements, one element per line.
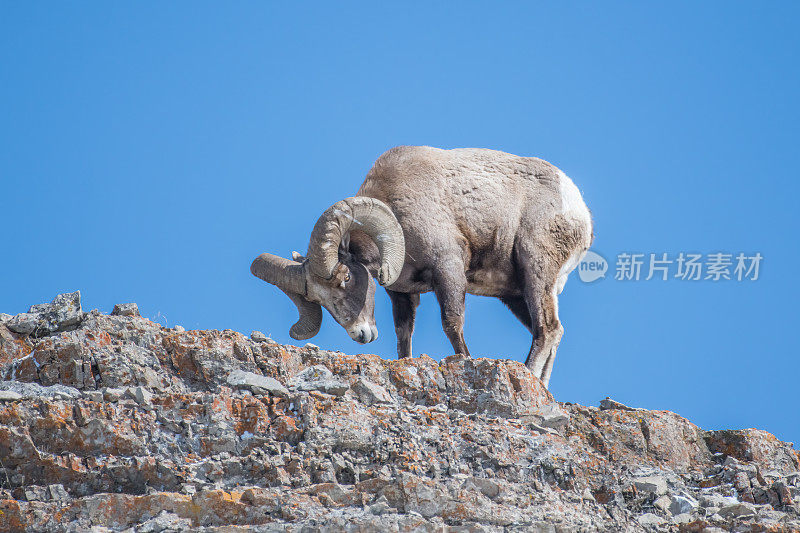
<point>404,310</point>
<point>450,287</point>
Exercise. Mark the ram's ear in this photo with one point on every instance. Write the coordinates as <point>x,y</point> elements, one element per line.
<point>341,275</point>
<point>297,256</point>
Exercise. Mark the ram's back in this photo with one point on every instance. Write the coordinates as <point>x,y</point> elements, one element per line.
<point>470,202</point>
<point>483,193</point>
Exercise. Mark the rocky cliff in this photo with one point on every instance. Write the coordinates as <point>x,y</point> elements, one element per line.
<point>113,422</point>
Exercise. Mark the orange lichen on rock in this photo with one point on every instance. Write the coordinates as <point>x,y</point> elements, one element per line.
<point>124,423</point>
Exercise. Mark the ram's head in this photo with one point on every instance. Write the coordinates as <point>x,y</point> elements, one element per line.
<point>330,277</point>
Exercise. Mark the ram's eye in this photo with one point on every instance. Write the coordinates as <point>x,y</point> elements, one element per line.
<point>346,278</point>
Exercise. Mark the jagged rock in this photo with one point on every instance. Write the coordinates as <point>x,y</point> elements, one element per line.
<point>57,492</point>
<point>130,309</point>
<point>663,503</point>
<point>142,396</point>
<point>24,323</point>
<point>750,445</point>
<point>737,510</point>
<point>651,485</point>
<point>34,493</point>
<point>608,403</point>
<point>34,390</point>
<point>9,396</point>
<point>683,518</point>
<point>681,505</point>
<point>258,336</point>
<point>371,393</point>
<point>256,383</point>
<point>164,521</point>
<point>125,425</point>
<point>717,500</point>
<point>63,313</point>
<point>112,394</point>
<point>552,416</point>
<point>319,378</point>
<point>650,519</point>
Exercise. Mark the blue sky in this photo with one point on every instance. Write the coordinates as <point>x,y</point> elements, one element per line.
<point>150,151</point>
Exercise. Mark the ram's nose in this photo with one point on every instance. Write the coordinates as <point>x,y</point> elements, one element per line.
<point>363,333</point>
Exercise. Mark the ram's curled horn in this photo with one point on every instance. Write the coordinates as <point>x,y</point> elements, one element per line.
<point>289,276</point>
<point>369,215</point>
<point>310,318</point>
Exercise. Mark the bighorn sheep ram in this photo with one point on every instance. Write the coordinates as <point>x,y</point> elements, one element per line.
<point>449,221</point>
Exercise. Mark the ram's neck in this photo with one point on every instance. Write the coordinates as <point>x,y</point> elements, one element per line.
<point>364,250</point>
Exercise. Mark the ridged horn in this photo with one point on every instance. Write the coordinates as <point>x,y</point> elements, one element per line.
<point>289,276</point>
<point>310,318</point>
<point>369,215</point>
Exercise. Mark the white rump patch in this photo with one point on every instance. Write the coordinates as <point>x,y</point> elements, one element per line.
<point>572,262</point>
<point>572,204</point>
<point>572,208</point>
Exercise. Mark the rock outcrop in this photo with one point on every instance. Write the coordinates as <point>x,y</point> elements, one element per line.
<point>114,422</point>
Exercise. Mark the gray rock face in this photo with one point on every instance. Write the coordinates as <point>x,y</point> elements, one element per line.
<point>129,309</point>
<point>553,417</point>
<point>142,396</point>
<point>258,336</point>
<point>24,323</point>
<point>34,390</point>
<point>319,378</point>
<point>737,510</point>
<point>9,396</point>
<point>120,424</point>
<point>63,313</point>
<point>257,384</point>
<point>370,394</point>
<point>651,485</point>
<point>650,520</point>
<point>607,404</point>
<point>682,505</point>
<point>57,492</point>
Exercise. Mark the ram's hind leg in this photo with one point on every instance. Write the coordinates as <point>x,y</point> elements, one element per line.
<point>545,327</point>
<point>538,277</point>
<point>548,365</point>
